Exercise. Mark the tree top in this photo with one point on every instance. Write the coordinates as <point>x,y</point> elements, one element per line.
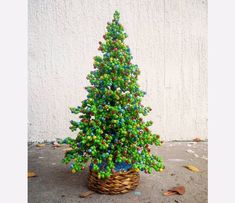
<point>116,15</point>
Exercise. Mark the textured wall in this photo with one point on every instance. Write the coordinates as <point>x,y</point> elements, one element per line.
<point>168,40</point>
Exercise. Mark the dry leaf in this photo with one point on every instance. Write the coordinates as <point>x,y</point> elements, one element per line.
<point>31,174</point>
<point>179,190</point>
<point>192,168</point>
<point>56,144</point>
<point>197,140</point>
<point>40,145</point>
<point>86,194</point>
<point>68,149</point>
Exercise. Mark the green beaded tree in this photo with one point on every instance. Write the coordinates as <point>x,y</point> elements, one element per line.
<point>112,133</point>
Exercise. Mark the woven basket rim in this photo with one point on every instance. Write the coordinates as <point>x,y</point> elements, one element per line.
<point>118,183</point>
<point>117,172</point>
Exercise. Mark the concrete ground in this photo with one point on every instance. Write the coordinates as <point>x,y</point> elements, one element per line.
<point>56,183</point>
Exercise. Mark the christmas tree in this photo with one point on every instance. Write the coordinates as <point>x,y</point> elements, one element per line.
<point>112,133</point>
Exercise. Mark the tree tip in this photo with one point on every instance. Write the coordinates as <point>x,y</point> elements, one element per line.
<point>116,15</point>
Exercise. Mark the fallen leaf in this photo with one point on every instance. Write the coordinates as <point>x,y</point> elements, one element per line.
<point>31,174</point>
<point>86,194</point>
<point>192,168</point>
<point>56,144</point>
<point>40,145</point>
<point>197,139</point>
<point>68,149</point>
<point>179,190</point>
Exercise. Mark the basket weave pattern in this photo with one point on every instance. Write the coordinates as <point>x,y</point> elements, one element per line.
<point>119,182</point>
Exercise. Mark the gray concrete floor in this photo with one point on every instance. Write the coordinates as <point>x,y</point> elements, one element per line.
<point>56,183</point>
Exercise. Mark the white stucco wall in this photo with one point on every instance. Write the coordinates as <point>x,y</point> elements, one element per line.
<point>168,40</point>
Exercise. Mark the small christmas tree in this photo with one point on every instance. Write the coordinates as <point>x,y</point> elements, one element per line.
<point>113,135</point>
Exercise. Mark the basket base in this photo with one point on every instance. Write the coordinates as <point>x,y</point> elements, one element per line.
<point>118,183</point>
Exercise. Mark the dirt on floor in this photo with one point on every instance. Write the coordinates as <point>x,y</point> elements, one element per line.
<point>56,184</point>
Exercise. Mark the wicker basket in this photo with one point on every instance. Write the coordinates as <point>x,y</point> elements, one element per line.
<point>119,182</point>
